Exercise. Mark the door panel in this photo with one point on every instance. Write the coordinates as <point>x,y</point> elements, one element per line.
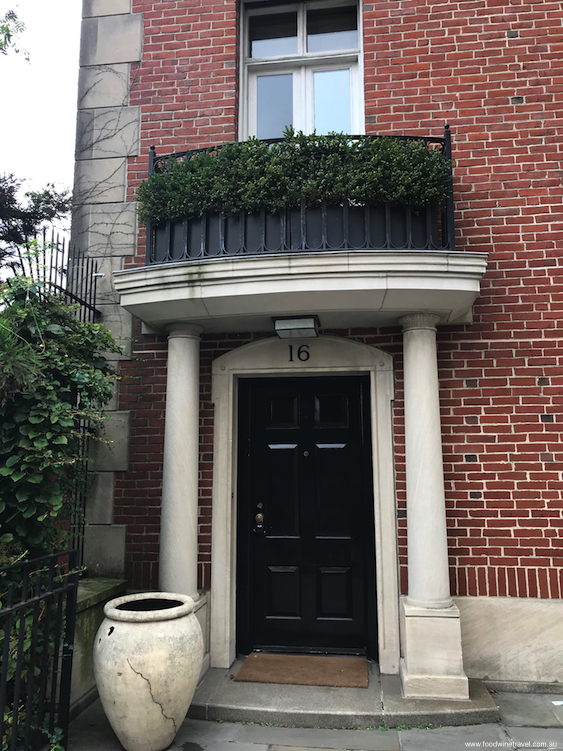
<point>305,520</point>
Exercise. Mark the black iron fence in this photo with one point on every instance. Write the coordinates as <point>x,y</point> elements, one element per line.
<point>60,267</point>
<point>37,617</point>
<point>325,228</point>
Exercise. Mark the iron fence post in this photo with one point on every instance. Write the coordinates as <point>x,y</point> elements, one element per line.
<point>450,201</point>
<point>148,228</point>
<point>35,693</point>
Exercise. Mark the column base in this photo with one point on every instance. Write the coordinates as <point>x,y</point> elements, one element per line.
<point>432,665</point>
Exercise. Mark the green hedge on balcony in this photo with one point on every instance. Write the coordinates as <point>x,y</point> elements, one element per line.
<point>253,175</point>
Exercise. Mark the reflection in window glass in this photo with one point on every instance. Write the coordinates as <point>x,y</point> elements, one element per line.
<point>332,29</point>
<point>332,101</point>
<point>275,105</point>
<point>273,35</point>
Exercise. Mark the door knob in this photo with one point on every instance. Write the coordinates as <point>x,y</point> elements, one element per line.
<point>259,524</point>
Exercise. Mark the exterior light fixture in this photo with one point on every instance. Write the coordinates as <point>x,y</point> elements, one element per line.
<point>297,328</point>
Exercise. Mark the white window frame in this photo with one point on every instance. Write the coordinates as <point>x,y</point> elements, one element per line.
<point>302,66</point>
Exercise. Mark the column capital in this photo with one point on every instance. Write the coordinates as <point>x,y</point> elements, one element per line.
<point>419,321</point>
<point>184,331</point>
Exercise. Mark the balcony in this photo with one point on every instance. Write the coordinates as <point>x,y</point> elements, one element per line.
<point>304,229</point>
<point>354,263</point>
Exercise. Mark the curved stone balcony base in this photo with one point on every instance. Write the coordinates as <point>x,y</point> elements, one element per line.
<point>346,289</point>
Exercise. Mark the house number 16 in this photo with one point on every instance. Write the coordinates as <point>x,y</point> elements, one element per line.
<point>302,353</point>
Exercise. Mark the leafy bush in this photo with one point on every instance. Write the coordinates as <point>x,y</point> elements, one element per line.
<point>52,376</point>
<point>252,175</point>
<point>23,219</point>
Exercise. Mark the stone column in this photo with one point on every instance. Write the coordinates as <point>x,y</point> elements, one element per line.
<point>429,585</point>
<point>432,660</point>
<point>179,514</point>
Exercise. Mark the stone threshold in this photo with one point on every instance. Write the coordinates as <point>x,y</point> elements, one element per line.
<point>219,698</point>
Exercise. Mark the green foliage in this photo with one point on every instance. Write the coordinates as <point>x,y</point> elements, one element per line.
<point>252,175</point>
<point>52,375</point>
<point>20,221</point>
<point>55,739</point>
<point>10,29</point>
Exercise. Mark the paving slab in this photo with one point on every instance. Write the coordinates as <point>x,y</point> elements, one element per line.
<point>527,710</point>
<point>555,702</point>
<point>201,732</point>
<point>91,731</point>
<point>299,748</point>
<point>550,739</point>
<point>366,740</point>
<point>455,738</point>
<point>413,712</point>
<point>215,745</point>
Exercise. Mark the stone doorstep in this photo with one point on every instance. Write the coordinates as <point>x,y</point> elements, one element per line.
<point>219,698</point>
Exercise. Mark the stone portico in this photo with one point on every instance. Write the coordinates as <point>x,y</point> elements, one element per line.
<point>419,636</point>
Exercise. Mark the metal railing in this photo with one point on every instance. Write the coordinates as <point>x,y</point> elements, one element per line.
<point>37,617</point>
<point>61,268</point>
<point>326,228</point>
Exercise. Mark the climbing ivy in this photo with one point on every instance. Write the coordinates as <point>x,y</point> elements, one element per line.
<point>53,375</point>
<point>252,175</point>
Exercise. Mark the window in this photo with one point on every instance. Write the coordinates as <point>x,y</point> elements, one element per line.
<point>301,67</point>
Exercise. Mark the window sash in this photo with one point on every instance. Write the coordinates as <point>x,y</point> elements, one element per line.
<point>301,10</point>
<point>302,66</point>
<point>303,94</point>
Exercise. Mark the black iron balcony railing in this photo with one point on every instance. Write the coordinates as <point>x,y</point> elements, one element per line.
<point>324,228</point>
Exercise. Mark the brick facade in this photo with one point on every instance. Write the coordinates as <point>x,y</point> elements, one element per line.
<point>492,70</point>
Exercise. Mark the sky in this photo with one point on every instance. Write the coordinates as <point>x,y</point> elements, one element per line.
<point>38,98</point>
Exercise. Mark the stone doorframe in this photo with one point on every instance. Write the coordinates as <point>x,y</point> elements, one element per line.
<point>325,355</point>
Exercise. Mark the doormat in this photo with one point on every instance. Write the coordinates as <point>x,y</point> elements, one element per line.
<point>305,670</point>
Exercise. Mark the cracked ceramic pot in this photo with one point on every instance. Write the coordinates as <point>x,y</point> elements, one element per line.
<point>147,660</point>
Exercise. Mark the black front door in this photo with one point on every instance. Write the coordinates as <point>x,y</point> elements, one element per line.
<point>306,559</point>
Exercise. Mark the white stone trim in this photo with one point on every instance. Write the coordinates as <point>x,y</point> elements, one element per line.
<point>328,356</point>
<point>345,289</point>
<point>516,639</point>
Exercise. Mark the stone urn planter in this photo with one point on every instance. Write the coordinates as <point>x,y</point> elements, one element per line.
<point>147,660</point>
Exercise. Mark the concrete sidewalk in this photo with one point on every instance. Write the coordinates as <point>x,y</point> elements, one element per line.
<point>528,721</point>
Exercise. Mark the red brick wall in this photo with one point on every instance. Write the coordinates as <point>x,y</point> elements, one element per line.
<point>492,69</point>
<point>186,84</point>
<point>138,491</point>
<point>430,62</point>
